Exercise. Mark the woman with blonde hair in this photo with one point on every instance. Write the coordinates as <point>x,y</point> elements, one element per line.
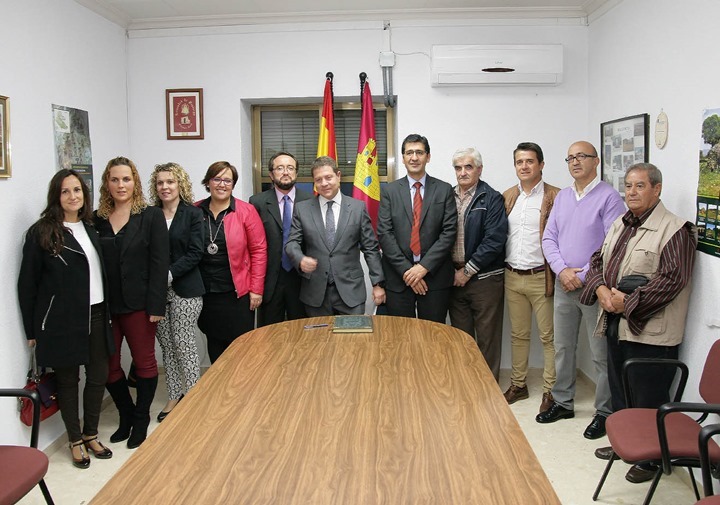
<point>63,301</point>
<point>171,191</point>
<point>134,242</point>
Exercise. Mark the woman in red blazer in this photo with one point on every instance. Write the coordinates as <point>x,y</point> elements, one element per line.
<point>234,261</point>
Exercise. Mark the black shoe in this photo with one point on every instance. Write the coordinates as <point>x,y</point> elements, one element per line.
<point>642,473</point>
<point>604,453</point>
<point>554,413</point>
<point>84,461</point>
<point>596,428</point>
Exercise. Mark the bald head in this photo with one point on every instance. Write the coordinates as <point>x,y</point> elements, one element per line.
<point>582,160</point>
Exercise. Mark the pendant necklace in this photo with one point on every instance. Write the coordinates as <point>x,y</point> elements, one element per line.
<point>212,247</point>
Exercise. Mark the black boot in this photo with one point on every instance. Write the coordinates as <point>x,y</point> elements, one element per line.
<point>141,418</point>
<point>126,408</point>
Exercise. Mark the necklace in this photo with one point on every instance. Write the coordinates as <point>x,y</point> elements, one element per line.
<point>212,247</point>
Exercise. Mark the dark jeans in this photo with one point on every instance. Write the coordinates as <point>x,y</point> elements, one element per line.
<point>96,374</point>
<point>224,318</point>
<point>650,387</point>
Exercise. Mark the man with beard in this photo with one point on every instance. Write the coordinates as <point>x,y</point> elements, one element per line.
<point>281,299</point>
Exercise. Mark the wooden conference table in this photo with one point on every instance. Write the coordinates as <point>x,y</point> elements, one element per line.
<point>407,414</point>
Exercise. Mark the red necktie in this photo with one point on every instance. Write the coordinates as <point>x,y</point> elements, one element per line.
<point>417,209</point>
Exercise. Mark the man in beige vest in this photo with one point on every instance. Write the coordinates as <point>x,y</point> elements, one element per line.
<point>529,281</point>
<point>647,320</point>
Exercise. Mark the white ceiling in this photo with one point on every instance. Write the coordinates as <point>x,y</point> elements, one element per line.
<point>149,14</point>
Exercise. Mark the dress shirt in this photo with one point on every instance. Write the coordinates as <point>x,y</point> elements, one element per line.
<point>524,243</point>
<point>336,207</point>
<point>580,195</point>
<point>462,202</point>
<point>280,195</point>
<point>411,182</point>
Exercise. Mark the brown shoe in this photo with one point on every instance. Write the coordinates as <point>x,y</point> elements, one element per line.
<point>515,393</point>
<point>547,402</point>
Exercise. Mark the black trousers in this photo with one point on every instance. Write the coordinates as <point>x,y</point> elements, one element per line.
<point>224,318</point>
<point>432,306</point>
<point>650,387</point>
<point>96,374</point>
<point>285,301</point>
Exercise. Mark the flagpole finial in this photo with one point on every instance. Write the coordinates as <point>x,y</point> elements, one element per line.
<point>363,78</point>
<point>329,75</point>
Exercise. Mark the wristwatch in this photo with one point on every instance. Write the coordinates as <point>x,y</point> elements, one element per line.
<point>466,272</point>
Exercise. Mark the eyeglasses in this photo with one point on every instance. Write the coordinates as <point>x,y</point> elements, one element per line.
<point>289,169</point>
<point>416,152</point>
<point>579,157</point>
<point>218,181</point>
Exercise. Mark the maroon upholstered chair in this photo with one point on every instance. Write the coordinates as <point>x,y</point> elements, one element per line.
<point>22,468</point>
<point>666,436</point>
<point>708,466</point>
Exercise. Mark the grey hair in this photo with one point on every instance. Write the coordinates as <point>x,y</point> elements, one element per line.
<point>653,172</point>
<point>468,151</point>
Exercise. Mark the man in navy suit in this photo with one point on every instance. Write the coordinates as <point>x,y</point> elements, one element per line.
<point>417,225</point>
<point>328,233</point>
<point>281,298</point>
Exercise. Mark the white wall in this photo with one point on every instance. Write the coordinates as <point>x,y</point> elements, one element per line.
<point>54,51</point>
<point>652,55</point>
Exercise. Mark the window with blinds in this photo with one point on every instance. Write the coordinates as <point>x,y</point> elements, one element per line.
<point>295,129</point>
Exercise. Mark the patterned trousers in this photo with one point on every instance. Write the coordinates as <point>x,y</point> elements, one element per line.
<point>176,334</point>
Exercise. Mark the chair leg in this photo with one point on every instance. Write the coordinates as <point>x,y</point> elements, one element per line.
<point>694,484</point>
<point>653,486</point>
<point>604,475</point>
<point>46,492</point>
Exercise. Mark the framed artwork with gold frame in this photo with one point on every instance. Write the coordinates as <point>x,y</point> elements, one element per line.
<point>5,162</point>
<point>184,114</point>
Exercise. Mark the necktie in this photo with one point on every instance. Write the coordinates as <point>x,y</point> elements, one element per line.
<point>330,235</point>
<point>417,210</point>
<point>286,220</point>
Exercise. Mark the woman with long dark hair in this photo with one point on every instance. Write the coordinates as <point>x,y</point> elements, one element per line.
<point>171,190</point>
<point>134,242</point>
<point>234,261</point>
<point>62,293</point>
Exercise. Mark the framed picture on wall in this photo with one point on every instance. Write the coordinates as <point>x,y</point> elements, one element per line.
<point>5,165</point>
<point>184,114</point>
<point>624,142</point>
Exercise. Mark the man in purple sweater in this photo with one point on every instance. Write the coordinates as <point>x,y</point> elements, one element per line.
<point>580,219</point>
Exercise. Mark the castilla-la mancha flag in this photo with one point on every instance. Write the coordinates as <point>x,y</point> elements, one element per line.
<point>326,139</point>
<point>366,186</point>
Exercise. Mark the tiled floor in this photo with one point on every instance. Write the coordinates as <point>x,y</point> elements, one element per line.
<point>566,456</point>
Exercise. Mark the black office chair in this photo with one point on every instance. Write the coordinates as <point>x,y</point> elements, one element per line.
<point>22,468</point>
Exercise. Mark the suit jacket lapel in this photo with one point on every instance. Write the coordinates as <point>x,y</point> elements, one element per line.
<point>178,212</point>
<point>428,197</point>
<point>407,201</point>
<point>318,220</point>
<point>131,230</point>
<point>273,207</point>
<point>343,220</point>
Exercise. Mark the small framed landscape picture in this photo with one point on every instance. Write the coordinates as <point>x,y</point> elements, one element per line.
<point>184,114</point>
<point>5,165</point>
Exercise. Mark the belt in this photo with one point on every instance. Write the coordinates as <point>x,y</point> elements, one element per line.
<point>531,271</point>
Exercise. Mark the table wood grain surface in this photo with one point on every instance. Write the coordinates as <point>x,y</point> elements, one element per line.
<point>408,414</point>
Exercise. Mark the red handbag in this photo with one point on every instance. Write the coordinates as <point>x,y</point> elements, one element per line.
<point>44,383</point>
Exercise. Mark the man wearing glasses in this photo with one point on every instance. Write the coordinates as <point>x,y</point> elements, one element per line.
<point>417,225</point>
<point>580,219</point>
<point>281,299</point>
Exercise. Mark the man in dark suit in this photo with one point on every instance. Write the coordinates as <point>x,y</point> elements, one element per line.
<point>328,233</point>
<point>281,298</point>
<point>417,225</point>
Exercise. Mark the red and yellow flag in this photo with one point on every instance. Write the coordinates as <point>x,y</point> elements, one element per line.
<point>366,186</point>
<point>326,139</point>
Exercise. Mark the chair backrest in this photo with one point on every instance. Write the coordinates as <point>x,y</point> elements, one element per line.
<point>704,439</point>
<point>710,379</point>
<point>35,399</point>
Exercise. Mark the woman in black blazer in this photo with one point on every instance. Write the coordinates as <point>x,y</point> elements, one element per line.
<point>63,305</point>
<point>134,242</point>
<point>171,190</point>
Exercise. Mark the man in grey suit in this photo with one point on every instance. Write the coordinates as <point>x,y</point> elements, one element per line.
<point>417,225</point>
<point>327,235</point>
<point>281,298</point>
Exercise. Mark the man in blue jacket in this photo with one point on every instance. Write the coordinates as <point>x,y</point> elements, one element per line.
<point>478,294</point>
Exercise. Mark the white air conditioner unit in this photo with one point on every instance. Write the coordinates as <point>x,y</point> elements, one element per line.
<point>497,65</point>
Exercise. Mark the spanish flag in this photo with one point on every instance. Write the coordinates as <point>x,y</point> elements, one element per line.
<point>366,186</point>
<point>326,139</point>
